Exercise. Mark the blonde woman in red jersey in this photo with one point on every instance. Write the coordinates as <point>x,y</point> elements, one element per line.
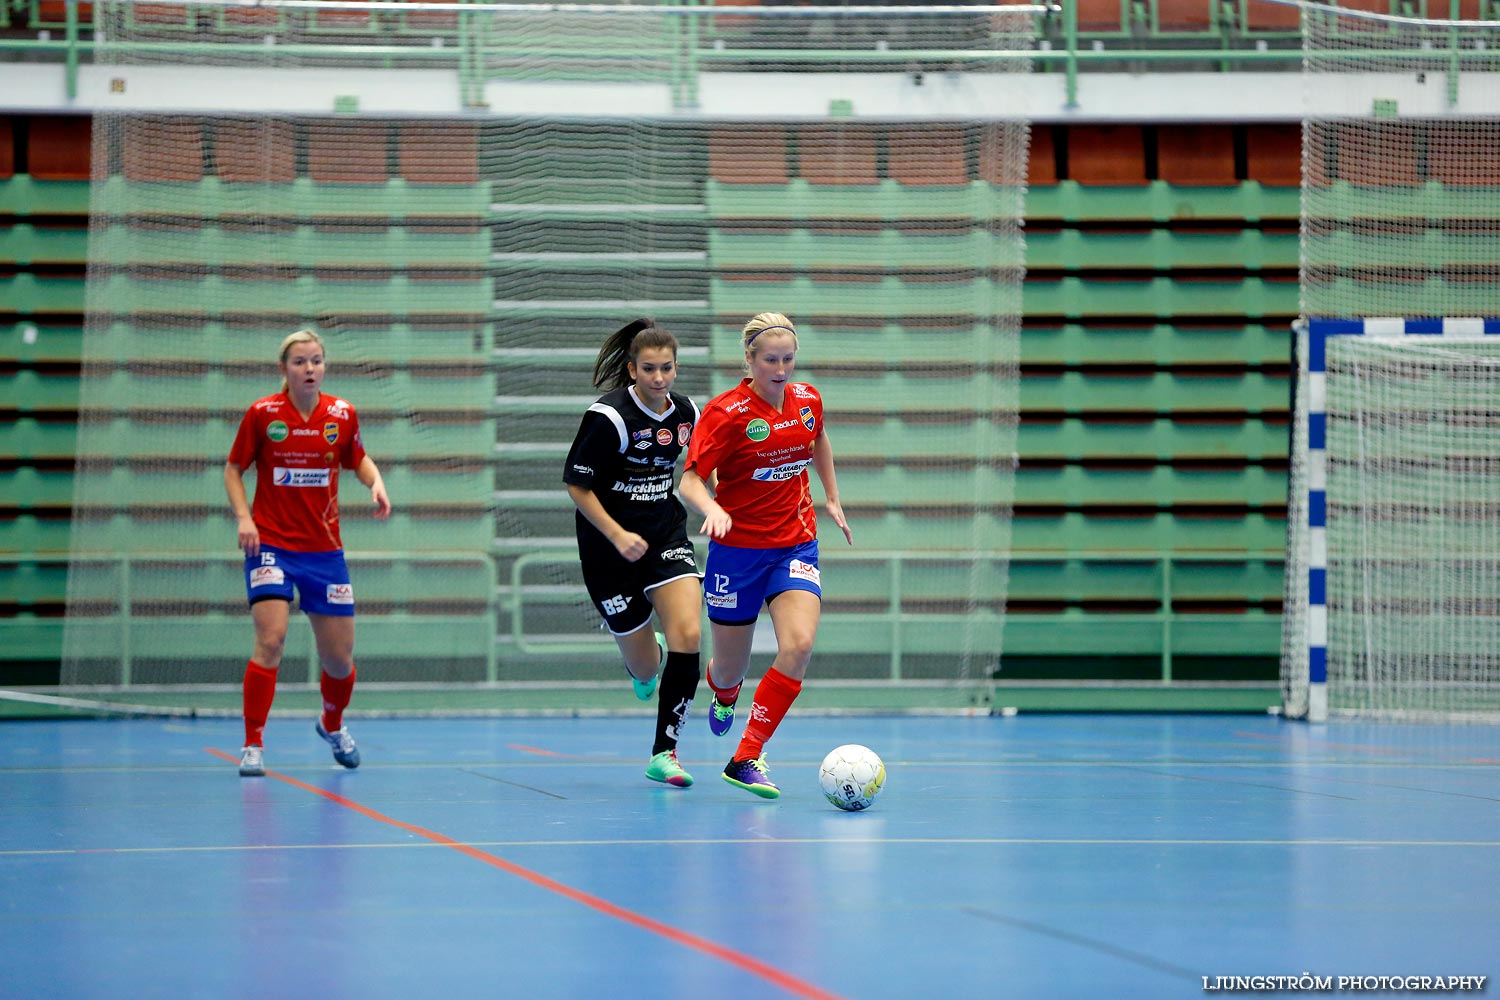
<point>746,472</point>
<point>297,439</point>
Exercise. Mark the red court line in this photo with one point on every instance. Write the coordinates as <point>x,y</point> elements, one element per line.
<point>536,750</point>
<point>755,967</point>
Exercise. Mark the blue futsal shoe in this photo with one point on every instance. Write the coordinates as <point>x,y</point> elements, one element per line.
<point>721,717</point>
<point>344,750</point>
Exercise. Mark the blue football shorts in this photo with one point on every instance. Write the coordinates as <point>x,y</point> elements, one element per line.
<point>321,580</point>
<point>736,581</point>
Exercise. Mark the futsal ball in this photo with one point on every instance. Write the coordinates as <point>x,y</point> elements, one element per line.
<point>851,776</point>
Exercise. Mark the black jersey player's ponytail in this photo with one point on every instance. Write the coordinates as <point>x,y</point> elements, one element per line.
<point>612,367</point>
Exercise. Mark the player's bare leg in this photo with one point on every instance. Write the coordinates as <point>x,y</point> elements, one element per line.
<point>259,685</point>
<point>726,672</point>
<point>335,638</point>
<point>794,613</point>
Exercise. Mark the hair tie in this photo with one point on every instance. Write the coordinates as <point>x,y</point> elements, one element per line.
<point>762,330</point>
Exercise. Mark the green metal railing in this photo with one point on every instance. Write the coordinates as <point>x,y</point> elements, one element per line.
<point>693,43</point>
<point>119,626</point>
<point>888,630</point>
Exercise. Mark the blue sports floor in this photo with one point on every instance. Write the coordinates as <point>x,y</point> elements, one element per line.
<point>1031,857</point>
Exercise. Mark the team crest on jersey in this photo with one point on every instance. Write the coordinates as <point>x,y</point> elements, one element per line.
<point>331,432</point>
<point>684,434</point>
<point>807,417</point>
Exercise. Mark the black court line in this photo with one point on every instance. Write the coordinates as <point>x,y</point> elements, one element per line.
<point>1247,784</point>
<point>1103,947</point>
<point>513,784</point>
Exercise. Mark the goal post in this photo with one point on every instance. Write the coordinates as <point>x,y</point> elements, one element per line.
<point>1393,568</point>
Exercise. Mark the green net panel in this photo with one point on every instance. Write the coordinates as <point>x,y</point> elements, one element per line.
<point>464,200</point>
<point>1400,218</point>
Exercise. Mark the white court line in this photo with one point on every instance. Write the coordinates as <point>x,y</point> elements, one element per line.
<point>670,842</point>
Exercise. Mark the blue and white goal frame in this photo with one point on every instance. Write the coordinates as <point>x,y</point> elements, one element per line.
<point>1317,330</point>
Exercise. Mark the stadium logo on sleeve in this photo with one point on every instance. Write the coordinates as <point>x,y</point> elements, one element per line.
<point>757,430</point>
<point>807,417</point>
<point>331,432</point>
<point>277,430</point>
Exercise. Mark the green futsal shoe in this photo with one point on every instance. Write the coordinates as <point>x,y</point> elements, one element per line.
<point>645,689</point>
<point>665,768</point>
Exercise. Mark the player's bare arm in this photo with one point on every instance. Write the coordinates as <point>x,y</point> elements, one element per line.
<point>822,461</point>
<point>239,505</point>
<point>368,473</point>
<point>699,495</point>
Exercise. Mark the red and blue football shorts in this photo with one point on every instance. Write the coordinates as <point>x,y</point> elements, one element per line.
<point>737,581</point>
<point>321,580</point>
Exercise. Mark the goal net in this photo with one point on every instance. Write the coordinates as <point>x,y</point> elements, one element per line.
<point>1390,604</point>
<point>1402,507</point>
<point>464,200</point>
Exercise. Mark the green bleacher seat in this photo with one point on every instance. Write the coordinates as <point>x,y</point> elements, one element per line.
<point>351,349</point>
<point>194,386</point>
<point>213,198</point>
<point>47,532</point>
<point>33,582</point>
<point>1158,201</point>
<point>32,340</point>
<point>27,244</point>
<point>1250,392</point>
<point>39,392</point>
<point>416,527</point>
<point>39,295</point>
<point>28,487</point>
<point>24,195</point>
<point>136,482</point>
<point>354,243</point>
<point>1166,344</point>
<point>28,438</point>
<point>949,389</point>
<point>885,200</point>
<point>154,585</point>
<point>356,292</point>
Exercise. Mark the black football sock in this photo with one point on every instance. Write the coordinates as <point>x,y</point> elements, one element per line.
<point>674,696</point>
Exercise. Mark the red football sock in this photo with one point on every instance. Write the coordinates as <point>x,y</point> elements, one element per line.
<point>773,698</point>
<point>336,694</point>
<point>260,691</point>
<point>727,695</point>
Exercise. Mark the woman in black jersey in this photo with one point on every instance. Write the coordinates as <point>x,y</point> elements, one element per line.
<point>632,529</point>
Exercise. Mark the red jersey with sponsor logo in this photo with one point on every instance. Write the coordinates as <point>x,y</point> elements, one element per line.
<point>761,455</point>
<point>297,469</point>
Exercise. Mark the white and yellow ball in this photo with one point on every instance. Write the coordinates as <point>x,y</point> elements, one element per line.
<point>851,776</point>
